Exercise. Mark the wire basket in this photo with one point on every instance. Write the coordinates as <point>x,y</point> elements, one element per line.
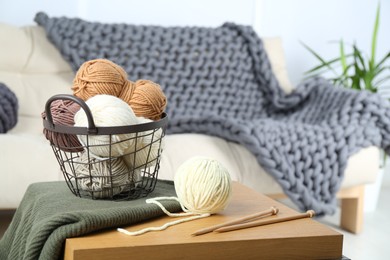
<point>126,176</point>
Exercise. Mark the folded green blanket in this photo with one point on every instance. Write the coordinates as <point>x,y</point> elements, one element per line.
<point>49,213</point>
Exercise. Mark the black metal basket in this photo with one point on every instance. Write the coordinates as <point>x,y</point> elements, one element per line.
<point>114,177</point>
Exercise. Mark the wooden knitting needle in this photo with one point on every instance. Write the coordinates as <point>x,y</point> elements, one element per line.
<point>271,211</point>
<point>308,214</point>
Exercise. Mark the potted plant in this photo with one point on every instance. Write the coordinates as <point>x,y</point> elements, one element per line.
<point>355,70</point>
<point>359,71</point>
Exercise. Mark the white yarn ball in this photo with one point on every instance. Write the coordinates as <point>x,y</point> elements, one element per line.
<point>107,110</point>
<point>203,185</point>
<point>93,175</point>
<point>147,148</point>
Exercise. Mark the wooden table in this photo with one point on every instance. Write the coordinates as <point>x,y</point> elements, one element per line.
<point>298,239</point>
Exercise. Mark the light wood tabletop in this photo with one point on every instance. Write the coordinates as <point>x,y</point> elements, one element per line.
<point>298,239</point>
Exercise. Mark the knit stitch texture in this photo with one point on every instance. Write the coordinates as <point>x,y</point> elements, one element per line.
<point>49,213</point>
<point>8,109</point>
<point>219,81</point>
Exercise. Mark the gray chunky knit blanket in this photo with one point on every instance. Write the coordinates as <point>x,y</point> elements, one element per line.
<point>8,108</point>
<point>219,81</point>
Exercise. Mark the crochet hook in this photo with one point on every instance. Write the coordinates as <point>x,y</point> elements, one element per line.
<point>271,211</point>
<point>308,214</point>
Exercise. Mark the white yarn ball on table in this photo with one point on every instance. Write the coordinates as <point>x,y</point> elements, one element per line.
<point>147,148</point>
<point>107,110</point>
<point>203,185</point>
<point>93,175</point>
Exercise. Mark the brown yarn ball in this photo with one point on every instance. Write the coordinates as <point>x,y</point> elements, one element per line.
<point>99,76</point>
<point>146,98</point>
<point>63,112</point>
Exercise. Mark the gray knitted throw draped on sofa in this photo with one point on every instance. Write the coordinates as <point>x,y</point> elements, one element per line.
<point>219,81</point>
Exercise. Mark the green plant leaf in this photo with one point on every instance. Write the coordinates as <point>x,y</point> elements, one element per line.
<point>383,60</point>
<point>342,57</point>
<point>345,79</point>
<point>380,81</point>
<point>358,57</point>
<point>374,38</point>
<point>322,66</point>
<point>323,62</point>
<point>355,70</point>
<point>355,82</point>
<point>378,71</point>
<point>325,66</point>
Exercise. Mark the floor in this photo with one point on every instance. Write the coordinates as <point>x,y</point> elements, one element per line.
<point>372,243</point>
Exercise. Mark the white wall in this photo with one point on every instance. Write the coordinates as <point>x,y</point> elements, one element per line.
<point>318,23</point>
<point>162,12</point>
<point>313,22</point>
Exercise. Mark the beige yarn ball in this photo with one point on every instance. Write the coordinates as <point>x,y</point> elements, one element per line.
<point>147,148</point>
<point>107,110</point>
<point>93,176</point>
<point>203,185</point>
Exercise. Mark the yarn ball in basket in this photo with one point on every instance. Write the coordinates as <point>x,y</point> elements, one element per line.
<point>99,76</point>
<point>146,98</point>
<point>106,111</point>
<point>93,176</point>
<point>63,112</point>
<point>148,147</point>
<point>203,185</point>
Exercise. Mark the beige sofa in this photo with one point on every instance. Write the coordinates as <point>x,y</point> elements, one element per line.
<point>33,68</point>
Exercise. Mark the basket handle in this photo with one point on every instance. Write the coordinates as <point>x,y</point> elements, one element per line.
<point>91,124</point>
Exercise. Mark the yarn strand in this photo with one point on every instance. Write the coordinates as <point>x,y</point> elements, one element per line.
<point>163,227</point>
<point>155,201</point>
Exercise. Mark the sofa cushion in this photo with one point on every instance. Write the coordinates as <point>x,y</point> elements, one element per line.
<point>15,47</point>
<point>32,67</point>
<point>275,52</point>
<point>25,158</point>
<point>243,165</point>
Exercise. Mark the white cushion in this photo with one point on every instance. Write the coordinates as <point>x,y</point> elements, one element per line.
<point>25,157</point>
<point>32,67</point>
<point>361,169</point>
<point>275,52</point>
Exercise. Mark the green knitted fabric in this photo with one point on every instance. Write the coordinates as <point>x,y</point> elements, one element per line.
<point>49,213</point>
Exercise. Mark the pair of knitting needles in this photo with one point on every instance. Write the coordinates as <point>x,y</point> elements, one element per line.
<point>250,221</point>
